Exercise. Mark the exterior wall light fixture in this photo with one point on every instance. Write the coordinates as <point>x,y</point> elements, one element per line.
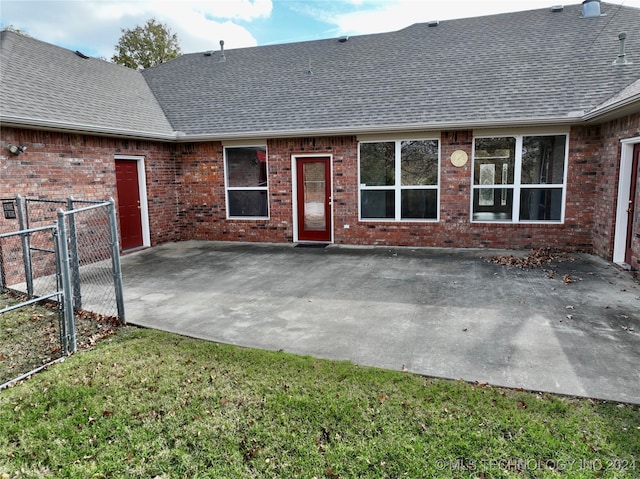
<point>16,150</point>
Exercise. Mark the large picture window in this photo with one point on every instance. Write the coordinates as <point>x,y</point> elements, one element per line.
<point>246,182</point>
<point>519,178</point>
<point>399,180</point>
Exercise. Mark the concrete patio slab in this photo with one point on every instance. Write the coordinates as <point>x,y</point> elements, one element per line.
<point>571,327</point>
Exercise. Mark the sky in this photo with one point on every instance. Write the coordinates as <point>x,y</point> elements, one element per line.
<point>95,26</point>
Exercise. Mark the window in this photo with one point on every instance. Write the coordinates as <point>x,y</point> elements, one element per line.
<point>246,182</point>
<point>399,180</point>
<point>519,178</point>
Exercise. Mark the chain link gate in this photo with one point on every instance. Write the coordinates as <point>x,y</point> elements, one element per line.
<point>65,252</point>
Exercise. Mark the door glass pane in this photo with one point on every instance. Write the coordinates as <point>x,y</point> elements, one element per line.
<point>315,218</point>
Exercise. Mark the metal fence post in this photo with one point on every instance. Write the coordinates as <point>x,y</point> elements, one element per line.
<point>58,259</point>
<point>67,294</point>
<point>73,252</point>
<point>115,259</point>
<point>26,244</point>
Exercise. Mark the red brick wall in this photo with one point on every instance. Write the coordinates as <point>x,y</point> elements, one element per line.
<point>455,228</point>
<point>185,188</point>
<point>607,187</point>
<point>58,165</point>
<point>203,214</point>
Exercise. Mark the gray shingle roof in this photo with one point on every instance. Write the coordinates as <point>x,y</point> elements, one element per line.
<point>529,67</point>
<point>52,86</point>
<point>532,66</point>
<point>626,96</point>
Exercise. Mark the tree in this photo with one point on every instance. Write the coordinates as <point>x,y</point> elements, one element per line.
<point>148,46</point>
<point>11,28</point>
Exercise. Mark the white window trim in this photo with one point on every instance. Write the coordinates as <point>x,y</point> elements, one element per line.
<point>228,188</point>
<point>516,187</point>
<point>397,187</point>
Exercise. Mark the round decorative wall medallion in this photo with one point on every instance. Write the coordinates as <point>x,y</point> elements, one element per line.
<point>459,158</point>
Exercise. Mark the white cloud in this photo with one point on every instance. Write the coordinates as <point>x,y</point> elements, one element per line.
<point>95,26</point>
<point>201,25</point>
<point>373,16</point>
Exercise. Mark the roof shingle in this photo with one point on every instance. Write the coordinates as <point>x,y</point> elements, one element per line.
<point>528,67</point>
<point>47,84</point>
<point>532,66</point>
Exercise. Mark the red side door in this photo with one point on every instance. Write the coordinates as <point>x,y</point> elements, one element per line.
<point>314,199</point>
<point>633,195</point>
<point>129,214</point>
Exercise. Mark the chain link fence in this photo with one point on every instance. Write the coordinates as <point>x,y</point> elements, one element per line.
<point>60,279</point>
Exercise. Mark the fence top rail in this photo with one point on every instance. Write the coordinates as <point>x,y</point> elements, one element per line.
<point>100,202</point>
<point>43,200</point>
<point>62,201</point>
<point>62,212</point>
<point>28,231</point>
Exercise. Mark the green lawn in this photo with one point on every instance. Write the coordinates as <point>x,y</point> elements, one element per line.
<point>30,336</point>
<point>147,404</point>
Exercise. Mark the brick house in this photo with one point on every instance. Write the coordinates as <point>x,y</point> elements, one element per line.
<point>517,130</point>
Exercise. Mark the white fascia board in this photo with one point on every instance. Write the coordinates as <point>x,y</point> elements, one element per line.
<point>30,123</point>
<point>377,130</point>
<point>251,136</point>
<point>631,104</point>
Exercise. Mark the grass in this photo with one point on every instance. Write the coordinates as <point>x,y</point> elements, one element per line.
<point>147,404</point>
<point>30,336</point>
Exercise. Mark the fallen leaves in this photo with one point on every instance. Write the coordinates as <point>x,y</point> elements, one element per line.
<point>35,336</point>
<point>536,259</point>
<point>330,473</point>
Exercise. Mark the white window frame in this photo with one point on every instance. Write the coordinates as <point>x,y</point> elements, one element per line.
<point>398,187</point>
<point>228,188</point>
<point>517,185</point>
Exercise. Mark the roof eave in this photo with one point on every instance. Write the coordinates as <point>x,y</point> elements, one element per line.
<point>614,110</point>
<point>405,128</point>
<point>50,125</point>
<point>181,137</point>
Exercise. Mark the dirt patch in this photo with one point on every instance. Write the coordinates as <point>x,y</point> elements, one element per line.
<point>30,336</point>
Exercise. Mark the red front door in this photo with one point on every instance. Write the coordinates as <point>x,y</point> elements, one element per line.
<point>635,164</point>
<point>314,199</point>
<point>129,204</point>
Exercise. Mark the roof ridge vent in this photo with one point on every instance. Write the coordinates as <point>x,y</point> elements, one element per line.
<point>591,9</point>
<point>622,56</point>
<point>80,54</point>
<point>557,8</point>
<point>433,23</point>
